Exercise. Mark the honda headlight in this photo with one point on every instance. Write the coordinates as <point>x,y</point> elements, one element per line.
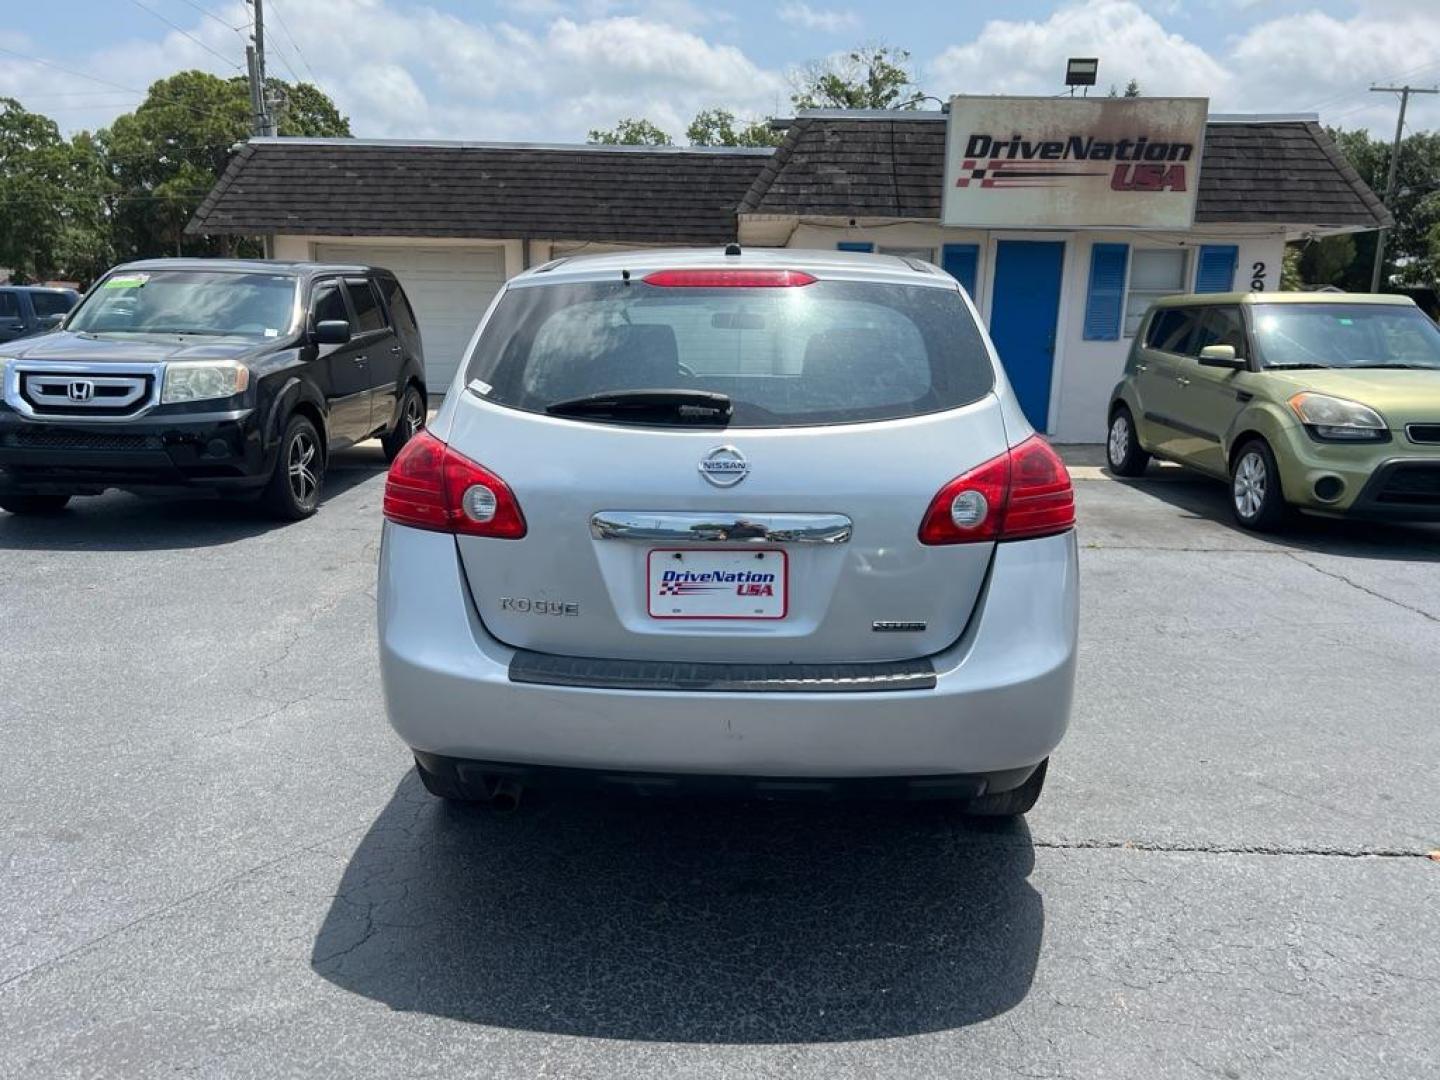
<point>202,381</point>
<point>1338,420</point>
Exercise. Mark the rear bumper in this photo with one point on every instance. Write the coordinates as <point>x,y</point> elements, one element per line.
<point>214,452</point>
<point>1001,699</point>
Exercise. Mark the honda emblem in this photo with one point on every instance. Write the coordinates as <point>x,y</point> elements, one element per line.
<point>81,390</point>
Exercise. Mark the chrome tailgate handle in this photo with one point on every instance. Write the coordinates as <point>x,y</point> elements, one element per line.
<point>721,528</point>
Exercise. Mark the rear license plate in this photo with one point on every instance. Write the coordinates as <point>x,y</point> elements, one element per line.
<point>733,584</point>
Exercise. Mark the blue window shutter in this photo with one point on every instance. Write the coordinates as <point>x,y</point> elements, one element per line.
<point>854,245</point>
<point>1216,272</point>
<point>960,261</point>
<point>1105,304</point>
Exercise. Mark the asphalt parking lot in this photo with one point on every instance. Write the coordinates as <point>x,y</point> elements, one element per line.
<point>218,864</point>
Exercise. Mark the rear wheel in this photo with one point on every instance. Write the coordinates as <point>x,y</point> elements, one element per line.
<point>412,420</point>
<point>30,502</point>
<point>1012,803</point>
<point>1255,495</point>
<point>1122,448</point>
<point>293,492</point>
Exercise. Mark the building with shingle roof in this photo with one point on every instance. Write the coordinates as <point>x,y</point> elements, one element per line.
<point>1062,299</point>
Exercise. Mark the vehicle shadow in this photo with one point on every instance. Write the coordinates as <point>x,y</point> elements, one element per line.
<point>687,921</point>
<point>117,521</point>
<point>1207,499</point>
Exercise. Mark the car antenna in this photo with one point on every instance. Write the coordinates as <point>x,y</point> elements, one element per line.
<point>625,276</point>
<point>732,249</point>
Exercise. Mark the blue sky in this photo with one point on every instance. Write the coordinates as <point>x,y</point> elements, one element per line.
<point>551,69</point>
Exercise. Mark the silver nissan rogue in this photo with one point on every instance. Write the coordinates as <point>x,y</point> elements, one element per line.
<point>769,521</point>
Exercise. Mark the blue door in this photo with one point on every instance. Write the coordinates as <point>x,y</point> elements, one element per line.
<point>1024,311</point>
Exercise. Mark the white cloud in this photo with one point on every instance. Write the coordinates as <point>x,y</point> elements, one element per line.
<point>1029,57</point>
<point>808,18</point>
<point>419,72</point>
<point>1290,63</point>
<point>401,70</point>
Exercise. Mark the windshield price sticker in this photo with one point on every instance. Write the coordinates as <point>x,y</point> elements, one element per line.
<point>126,281</point>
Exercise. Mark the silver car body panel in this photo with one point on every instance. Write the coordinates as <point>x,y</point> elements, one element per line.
<point>881,476</point>
<point>998,621</point>
<point>1002,699</point>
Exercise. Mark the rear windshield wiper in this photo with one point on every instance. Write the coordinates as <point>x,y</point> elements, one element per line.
<point>1296,367</point>
<point>666,406</point>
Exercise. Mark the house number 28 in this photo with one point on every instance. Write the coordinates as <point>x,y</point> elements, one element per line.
<point>1257,277</point>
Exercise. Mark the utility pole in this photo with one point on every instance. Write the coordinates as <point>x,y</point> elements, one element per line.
<point>1404,92</point>
<point>264,122</point>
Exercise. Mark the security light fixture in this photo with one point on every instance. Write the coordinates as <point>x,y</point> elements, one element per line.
<point>1081,72</point>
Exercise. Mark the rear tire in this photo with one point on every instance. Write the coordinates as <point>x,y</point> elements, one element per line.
<point>1122,446</point>
<point>1256,498</point>
<point>293,492</point>
<point>30,502</point>
<point>410,424</point>
<point>1011,803</point>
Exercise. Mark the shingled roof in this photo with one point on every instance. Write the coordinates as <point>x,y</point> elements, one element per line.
<point>348,187</point>
<point>1282,171</point>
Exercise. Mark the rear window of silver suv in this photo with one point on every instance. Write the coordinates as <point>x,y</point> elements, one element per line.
<point>825,352</point>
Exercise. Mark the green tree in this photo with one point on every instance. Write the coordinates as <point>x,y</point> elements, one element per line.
<point>1327,260</point>
<point>1408,256</point>
<point>164,158</point>
<point>630,132</point>
<point>1290,279</point>
<point>38,189</point>
<point>1132,90</point>
<point>716,127</point>
<point>868,77</point>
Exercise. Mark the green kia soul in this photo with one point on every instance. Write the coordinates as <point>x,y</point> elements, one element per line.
<point>1326,402</point>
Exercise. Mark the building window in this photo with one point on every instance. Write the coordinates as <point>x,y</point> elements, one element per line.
<point>1154,273</point>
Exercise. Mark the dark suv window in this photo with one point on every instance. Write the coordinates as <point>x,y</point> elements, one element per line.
<point>400,313</point>
<point>827,352</point>
<point>368,313</point>
<point>47,303</point>
<point>1170,329</point>
<point>9,305</point>
<point>329,304</point>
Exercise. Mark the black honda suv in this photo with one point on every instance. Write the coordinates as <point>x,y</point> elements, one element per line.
<point>238,377</point>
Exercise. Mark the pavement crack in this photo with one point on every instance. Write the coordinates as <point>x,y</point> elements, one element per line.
<point>1229,849</point>
<point>1363,588</point>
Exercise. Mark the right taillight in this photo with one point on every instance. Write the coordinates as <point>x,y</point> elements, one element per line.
<point>1022,494</point>
<point>431,486</point>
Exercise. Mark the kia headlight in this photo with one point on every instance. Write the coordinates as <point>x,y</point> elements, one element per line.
<point>1337,419</point>
<point>203,381</point>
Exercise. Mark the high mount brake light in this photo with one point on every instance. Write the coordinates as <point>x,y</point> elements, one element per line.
<point>728,279</point>
<point>1021,494</point>
<point>431,486</point>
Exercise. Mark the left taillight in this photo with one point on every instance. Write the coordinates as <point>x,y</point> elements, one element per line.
<point>432,486</point>
<point>1022,494</point>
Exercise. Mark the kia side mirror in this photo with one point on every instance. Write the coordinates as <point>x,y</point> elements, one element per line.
<point>332,332</point>
<point>1221,356</point>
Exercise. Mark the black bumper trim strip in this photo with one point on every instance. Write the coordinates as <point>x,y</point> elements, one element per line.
<point>546,669</point>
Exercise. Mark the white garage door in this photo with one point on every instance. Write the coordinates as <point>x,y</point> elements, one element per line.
<point>449,288</point>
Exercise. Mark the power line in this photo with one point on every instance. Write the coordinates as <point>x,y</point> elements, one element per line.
<point>274,10</point>
<point>186,33</point>
<point>207,12</point>
<point>197,109</point>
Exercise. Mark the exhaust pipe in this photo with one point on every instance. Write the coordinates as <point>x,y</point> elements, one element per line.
<point>505,796</point>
